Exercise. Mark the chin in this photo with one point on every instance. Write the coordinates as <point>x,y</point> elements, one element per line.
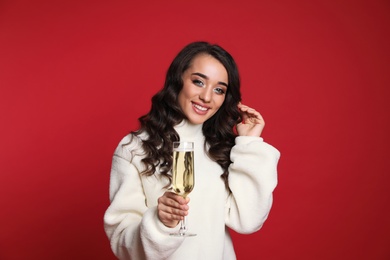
<point>196,121</point>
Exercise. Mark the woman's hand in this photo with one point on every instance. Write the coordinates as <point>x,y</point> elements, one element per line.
<point>252,122</point>
<point>172,208</point>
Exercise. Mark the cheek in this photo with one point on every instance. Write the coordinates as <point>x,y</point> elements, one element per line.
<point>186,93</point>
<point>180,100</point>
<point>219,101</point>
<point>183,98</point>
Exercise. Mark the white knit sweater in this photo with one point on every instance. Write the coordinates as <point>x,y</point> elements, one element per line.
<point>131,220</point>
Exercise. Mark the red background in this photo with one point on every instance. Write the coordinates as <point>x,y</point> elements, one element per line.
<point>76,75</point>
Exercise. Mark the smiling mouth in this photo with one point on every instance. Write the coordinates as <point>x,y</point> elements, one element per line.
<point>200,107</point>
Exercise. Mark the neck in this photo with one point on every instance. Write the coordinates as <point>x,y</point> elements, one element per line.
<point>188,131</point>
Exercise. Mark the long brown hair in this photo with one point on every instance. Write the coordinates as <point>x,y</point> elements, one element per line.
<point>165,113</point>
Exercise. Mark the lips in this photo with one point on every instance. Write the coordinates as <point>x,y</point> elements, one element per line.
<point>199,109</point>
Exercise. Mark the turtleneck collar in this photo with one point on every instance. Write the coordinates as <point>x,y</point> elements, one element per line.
<point>188,131</point>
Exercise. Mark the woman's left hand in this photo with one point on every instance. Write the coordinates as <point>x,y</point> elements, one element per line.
<point>252,122</point>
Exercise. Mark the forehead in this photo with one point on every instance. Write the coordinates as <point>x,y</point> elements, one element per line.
<point>208,65</point>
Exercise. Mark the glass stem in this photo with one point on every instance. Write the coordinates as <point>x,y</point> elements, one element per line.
<point>183,226</point>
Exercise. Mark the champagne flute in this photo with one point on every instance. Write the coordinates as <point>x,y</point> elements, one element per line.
<point>183,176</point>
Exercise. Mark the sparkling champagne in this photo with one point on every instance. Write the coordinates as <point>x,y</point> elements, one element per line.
<point>183,172</point>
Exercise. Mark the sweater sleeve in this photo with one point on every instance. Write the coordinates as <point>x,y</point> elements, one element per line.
<point>134,230</point>
<point>252,180</point>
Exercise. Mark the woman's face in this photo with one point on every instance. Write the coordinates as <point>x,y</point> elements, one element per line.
<point>205,83</point>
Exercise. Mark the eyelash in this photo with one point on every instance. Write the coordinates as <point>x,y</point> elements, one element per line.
<point>199,83</point>
<point>219,91</point>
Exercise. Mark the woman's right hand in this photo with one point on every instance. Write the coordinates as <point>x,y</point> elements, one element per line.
<point>172,208</point>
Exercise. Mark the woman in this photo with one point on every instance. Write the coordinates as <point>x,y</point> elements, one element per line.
<point>235,170</point>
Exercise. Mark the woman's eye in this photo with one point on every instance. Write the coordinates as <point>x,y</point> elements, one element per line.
<point>198,82</point>
<point>219,91</point>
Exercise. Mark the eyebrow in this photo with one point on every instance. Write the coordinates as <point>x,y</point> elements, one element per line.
<point>205,77</point>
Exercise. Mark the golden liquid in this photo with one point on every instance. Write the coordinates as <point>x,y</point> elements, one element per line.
<point>183,172</point>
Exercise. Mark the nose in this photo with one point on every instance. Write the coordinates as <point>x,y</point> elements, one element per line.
<point>206,94</point>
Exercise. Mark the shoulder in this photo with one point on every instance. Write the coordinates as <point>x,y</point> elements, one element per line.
<point>129,146</point>
<point>249,144</point>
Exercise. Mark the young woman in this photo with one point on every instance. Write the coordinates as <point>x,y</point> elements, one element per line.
<point>235,170</point>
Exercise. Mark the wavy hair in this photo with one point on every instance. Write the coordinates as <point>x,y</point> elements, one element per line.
<point>165,113</point>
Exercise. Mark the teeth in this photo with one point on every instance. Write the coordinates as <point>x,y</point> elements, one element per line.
<point>200,107</point>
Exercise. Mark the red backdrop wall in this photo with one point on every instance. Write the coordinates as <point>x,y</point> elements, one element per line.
<point>76,75</point>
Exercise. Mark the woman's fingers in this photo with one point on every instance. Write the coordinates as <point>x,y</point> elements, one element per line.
<point>252,122</point>
<point>250,113</point>
<point>171,208</point>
